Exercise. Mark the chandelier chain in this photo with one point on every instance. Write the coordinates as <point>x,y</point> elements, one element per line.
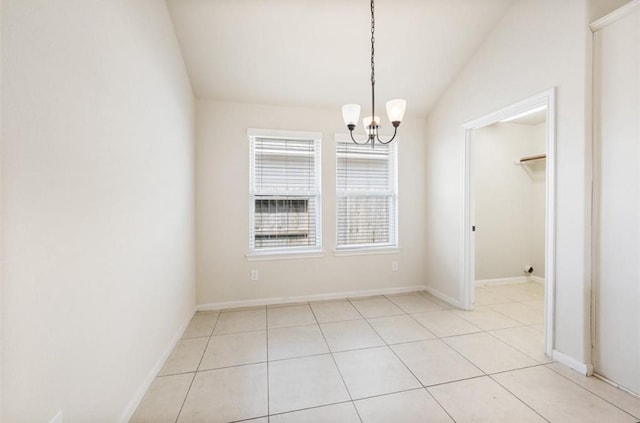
<point>373,64</point>
<point>373,40</point>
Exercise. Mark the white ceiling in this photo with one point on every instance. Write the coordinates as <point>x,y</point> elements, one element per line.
<point>315,53</point>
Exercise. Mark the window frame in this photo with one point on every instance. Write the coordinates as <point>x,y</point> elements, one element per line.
<point>285,252</point>
<point>375,248</point>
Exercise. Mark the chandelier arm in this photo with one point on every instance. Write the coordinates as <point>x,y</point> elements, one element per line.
<point>395,131</point>
<point>354,140</point>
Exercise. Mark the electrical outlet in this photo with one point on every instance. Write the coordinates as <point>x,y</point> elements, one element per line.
<point>254,275</point>
<point>394,266</point>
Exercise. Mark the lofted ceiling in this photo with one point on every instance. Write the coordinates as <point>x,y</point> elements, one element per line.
<point>316,53</point>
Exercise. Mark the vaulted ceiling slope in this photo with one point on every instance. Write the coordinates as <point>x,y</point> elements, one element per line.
<point>316,53</point>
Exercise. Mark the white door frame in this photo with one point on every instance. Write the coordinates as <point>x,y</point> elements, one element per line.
<point>467,271</point>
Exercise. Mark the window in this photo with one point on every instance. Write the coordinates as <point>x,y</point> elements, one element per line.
<point>367,195</point>
<point>285,191</point>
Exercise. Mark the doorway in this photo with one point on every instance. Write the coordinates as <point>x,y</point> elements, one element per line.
<point>478,205</point>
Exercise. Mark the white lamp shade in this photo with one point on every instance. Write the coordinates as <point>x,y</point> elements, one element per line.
<point>351,114</point>
<point>367,121</point>
<point>395,109</point>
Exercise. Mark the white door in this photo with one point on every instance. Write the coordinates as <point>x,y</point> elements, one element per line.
<point>617,201</point>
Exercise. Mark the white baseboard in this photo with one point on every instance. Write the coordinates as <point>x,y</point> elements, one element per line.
<point>582,368</point>
<point>443,297</point>
<point>504,281</point>
<point>304,298</point>
<point>144,387</point>
<point>537,279</point>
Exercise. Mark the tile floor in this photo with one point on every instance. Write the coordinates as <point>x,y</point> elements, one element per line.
<point>403,358</point>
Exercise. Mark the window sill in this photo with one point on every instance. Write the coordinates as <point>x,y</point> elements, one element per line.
<point>365,251</point>
<point>283,255</point>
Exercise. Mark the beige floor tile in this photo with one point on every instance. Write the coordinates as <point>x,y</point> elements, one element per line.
<point>350,335</point>
<point>434,362</point>
<point>376,307</point>
<point>241,321</point>
<point>201,325</point>
<point>538,305</point>
<point>525,339</point>
<point>243,388</point>
<point>334,311</point>
<point>185,356</point>
<point>538,328</point>
<point>488,353</point>
<point>296,341</point>
<point>521,312</point>
<point>374,371</point>
<point>482,400</point>
<point>235,349</point>
<point>337,413</point>
<point>445,323</point>
<point>397,329</point>
<point>282,317</point>
<point>602,389</point>
<point>487,319</point>
<point>305,382</point>
<point>518,292</point>
<point>415,303</point>
<point>405,407</point>
<point>163,400</point>
<point>559,400</point>
<point>260,420</point>
<point>445,305</point>
<point>485,296</point>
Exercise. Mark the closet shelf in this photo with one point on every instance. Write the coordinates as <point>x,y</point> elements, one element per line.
<point>531,158</point>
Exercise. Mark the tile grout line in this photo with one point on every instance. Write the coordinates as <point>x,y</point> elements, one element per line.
<point>517,397</point>
<point>422,386</point>
<point>548,366</point>
<point>197,367</point>
<point>266,322</point>
<point>335,363</point>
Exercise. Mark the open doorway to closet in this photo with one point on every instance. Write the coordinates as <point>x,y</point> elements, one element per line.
<point>509,221</point>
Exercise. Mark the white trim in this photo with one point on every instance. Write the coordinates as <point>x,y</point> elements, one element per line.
<point>280,133</point>
<point>503,281</point>
<point>144,386</point>
<point>283,255</point>
<point>306,298</point>
<point>615,385</point>
<point>617,14</point>
<point>578,366</point>
<point>365,251</point>
<point>537,279</point>
<point>467,236</point>
<point>443,297</point>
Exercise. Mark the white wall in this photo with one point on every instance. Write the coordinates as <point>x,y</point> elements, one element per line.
<point>536,46</point>
<point>223,210</point>
<point>508,209</point>
<point>97,192</point>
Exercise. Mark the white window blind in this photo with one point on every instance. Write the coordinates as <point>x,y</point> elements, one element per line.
<point>285,194</point>
<point>367,195</point>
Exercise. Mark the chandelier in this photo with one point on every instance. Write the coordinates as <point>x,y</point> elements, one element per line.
<point>395,108</point>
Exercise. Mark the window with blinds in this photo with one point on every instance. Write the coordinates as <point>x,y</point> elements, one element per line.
<point>367,195</point>
<point>285,193</point>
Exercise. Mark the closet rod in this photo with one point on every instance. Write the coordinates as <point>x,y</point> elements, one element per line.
<point>532,157</point>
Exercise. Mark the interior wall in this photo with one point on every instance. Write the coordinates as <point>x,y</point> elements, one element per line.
<point>223,210</point>
<point>536,46</point>
<point>508,207</point>
<point>98,204</point>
